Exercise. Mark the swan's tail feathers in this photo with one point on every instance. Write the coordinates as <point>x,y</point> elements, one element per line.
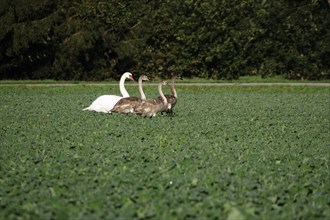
<point>97,109</point>
<point>88,109</point>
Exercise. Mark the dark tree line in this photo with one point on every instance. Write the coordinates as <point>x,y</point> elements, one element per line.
<point>223,39</point>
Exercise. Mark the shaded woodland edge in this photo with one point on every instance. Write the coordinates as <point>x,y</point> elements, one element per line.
<point>98,40</point>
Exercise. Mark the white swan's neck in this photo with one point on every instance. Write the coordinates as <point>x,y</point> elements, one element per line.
<point>161,93</point>
<point>173,88</point>
<point>122,89</point>
<point>142,95</point>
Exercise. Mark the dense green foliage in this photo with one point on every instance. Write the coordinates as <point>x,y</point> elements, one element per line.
<point>85,40</point>
<point>229,152</point>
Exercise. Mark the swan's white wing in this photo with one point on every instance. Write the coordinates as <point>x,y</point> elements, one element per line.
<point>104,103</point>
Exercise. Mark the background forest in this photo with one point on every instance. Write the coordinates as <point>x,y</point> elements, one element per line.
<point>221,39</point>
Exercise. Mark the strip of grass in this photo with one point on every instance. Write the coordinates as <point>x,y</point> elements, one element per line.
<point>242,79</point>
<point>229,152</point>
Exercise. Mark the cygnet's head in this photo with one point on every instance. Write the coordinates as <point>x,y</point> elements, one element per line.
<point>144,77</point>
<point>164,83</point>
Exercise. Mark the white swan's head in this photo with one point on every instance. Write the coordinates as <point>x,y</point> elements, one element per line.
<point>128,75</point>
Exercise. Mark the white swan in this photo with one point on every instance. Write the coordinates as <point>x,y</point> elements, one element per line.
<point>105,103</point>
<point>127,105</point>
